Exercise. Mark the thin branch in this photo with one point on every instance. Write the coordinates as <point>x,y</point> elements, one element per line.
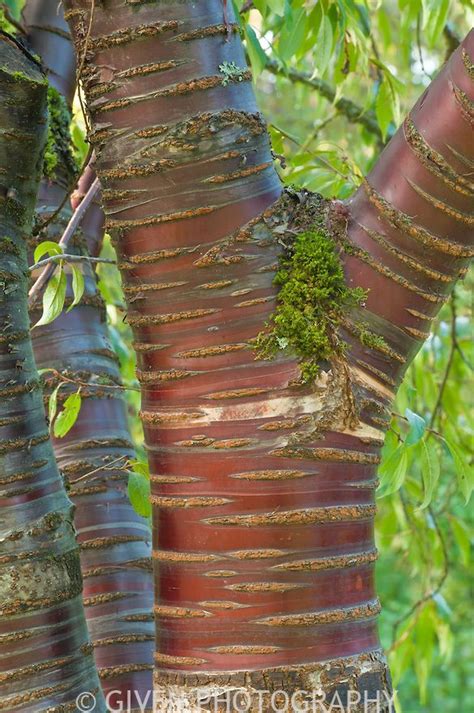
<point>449,363</point>
<point>78,382</point>
<point>106,466</point>
<point>71,258</point>
<point>431,594</point>
<point>71,228</point>
<point>348,108</point>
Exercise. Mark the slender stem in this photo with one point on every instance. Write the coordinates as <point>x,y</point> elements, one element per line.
<point>70,258</point>
<point>65,239</point>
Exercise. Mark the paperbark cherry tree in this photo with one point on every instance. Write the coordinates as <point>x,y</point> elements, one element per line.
<point>94,455</point>
<point>46,659</point>
<point>265,397</point>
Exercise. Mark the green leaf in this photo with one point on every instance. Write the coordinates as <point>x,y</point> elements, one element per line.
<point>417,427</point>
<point>139,494</point>
<point>324,44</point>
<point>53,404</point>
<point>258,58</point>
<point>48,246</point>
<point>292,34</point>
<point>464,473</point>
<point>77,285</point>
<point>393,470</point>
<point>429,463</point>
<point>53,298</point>
<point>383,108</point>
<point>463,540</point>
<point>141,468</point>
<point>68,416</point>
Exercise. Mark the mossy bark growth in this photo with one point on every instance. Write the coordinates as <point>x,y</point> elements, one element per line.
<point>46,656</point>
<point>262,486</point>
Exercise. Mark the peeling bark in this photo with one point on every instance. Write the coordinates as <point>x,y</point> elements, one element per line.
<point>263,486</point>
<point>46,653</point>
<point>115,542</point>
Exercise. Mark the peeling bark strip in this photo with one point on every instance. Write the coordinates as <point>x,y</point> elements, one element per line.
<point>115,542</point>
<point>217,244</point>
<point>46,658</point>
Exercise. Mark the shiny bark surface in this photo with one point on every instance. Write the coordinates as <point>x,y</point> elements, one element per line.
<point>46,656</point>
<point>263,488</point>
<point>115,542</point>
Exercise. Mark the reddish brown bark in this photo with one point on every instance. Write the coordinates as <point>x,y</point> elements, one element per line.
<point>263,488</point>
<point>115,542</point>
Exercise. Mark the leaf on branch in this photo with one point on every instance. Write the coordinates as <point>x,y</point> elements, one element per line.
<point>257,56</point>
<point>139,492</point>
<point>417,427</point>
<point>53,404</point>
<point>53,298</point>
<point>429,463</point>
<point>393,471</point>
<point>48,246</point>
<point>78,285</point>
<point>464,473</point>
<point>68,416</point>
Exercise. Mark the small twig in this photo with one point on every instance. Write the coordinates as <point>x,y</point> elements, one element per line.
<point>71,228</point>
<point>78,382</point>
<point>418,44</point>
<point>248,5</point>
<point>106,466</point>
<point>432,593</point>
<point>71,258</point>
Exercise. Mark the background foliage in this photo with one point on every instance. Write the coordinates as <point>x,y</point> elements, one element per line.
<point>333,78</point>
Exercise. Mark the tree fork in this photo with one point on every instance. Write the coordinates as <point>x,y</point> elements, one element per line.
<point>46,657</point>
<point>115,542</point>
<point>262,486</point>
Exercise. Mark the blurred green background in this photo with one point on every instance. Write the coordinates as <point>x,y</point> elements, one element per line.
<point>334,78</point>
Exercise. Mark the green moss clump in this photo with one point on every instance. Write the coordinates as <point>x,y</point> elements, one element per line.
<point>58,156</point>
<point>313,298</point>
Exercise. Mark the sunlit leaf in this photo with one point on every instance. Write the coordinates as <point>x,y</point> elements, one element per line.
<point>139,493</point>
<point>68,416</point>
<point>47,246</point>
<point>429,462</point>
<point>77,285</point>
<point>53,297</point>
<point>417,427</point>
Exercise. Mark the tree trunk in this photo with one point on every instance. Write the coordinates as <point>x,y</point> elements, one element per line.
<point>46,654</point>
<point>115,542</point>
<point>262,483</point>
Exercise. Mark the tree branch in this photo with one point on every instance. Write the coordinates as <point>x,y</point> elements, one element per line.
<point>354,113</point>
<point>71,228</point>
<point>70,258</point>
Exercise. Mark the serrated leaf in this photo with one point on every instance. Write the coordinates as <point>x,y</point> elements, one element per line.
<point>417,427</point>
<point>464,473</point>
<point>53,298</point>
<point>68,416</point>
<point>48,246</point>
<point>139,494</point>
<point>463,540</point>
<point>292,34</point>
<point>429,464</point>
<point>258,58</point>
<point>78,286</point>
<point>324,44</point>
<point>393,471</point>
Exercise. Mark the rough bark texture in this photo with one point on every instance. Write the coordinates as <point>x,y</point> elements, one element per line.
<point>46,656</point>
<point>262,486</point>
<point>115,542</point>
